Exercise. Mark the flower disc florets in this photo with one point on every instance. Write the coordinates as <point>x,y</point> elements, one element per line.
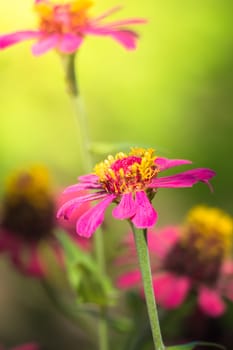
<point>127,173</point>
<point>63,18</point>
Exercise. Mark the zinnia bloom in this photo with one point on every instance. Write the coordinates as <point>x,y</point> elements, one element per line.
<point>194,257</point>
<point>64,25</point>
<point>28,221</point>
<point>131,181</point>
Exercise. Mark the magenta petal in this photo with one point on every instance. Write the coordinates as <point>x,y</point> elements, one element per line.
<point>170,290</point>
<point>14,38</point>
<point>185,179</point>
<point>69,43</point>
<point>45,44</point>
<point>165,163</point>
<point>126,208</point>
<point>145,215</point>
<point>126,38</point>
<point>93,218</point>
<point>161,242</point>
<point>211,302</point>
<point>67,208</point>
<point>29,346</point>
<point>129,279</point>
<point>88,178</point>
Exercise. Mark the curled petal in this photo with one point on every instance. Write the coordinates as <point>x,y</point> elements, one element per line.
<point>14,38</point>
<point>93,218</point>
<point>126,38</point>
<point>170,290</point>
<point>126,208</point>
<point>211,302</point>
<point>165,163</point>
<point>145,215</point>
<point>70,43</point>
<point>45,44</point>
<point>185,179</point>
<point>67,208</point>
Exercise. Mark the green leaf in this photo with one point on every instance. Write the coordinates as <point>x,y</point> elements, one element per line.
<point>192,346</point>
<point>84,275</point>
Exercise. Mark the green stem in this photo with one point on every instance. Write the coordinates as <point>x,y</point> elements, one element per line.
<point>140,237</point>
<point>70,75</point>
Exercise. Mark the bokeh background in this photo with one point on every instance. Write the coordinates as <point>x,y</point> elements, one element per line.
<point>174,93</point>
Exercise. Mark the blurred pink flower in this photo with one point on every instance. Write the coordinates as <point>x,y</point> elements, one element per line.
<point>28,221</point>
<point>63,26</point>
<point>131,181</point>
<point>29,346</point>
<point>193,257</point>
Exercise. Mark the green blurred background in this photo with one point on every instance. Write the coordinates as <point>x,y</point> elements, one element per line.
<point>174,93</point>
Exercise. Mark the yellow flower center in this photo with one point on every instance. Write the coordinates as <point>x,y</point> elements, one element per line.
<point>127,172</point>
<point>32,184</point>
<point>28,207</point>
<point>210,230</point>
<point>62,16</point>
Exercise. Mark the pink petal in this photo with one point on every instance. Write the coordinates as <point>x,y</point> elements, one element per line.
<point>29,346</point>
<point>126,38</point>
<point>165,163</point>
<point>129,279</point>
<point>28,261</point>
<point>93,218</point>
<point>108,13</point>
<point>162,241</point>
<point>82,186</point>
<point>145,215</point>
<point>170,290</point>
<point>126,208</point>
<point>45,44</point>
<point>68,207</point>
<point>211,302</point>
<point>185,179</point>
<point>14,38</point>
<point>88,178</point>
<point>69,43</point>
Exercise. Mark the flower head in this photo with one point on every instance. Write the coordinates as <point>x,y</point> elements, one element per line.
<point>131,181</point>
<point>192,257</point>
<point>64,25</point>
<point>28,220</point>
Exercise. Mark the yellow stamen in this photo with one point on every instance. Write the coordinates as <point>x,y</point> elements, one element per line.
<point>212,230</point>
<point>32,184</point>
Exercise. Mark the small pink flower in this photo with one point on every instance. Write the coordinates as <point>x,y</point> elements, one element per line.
<point>131,181</point>
<point>63,26</point>
<point>194,257</point>
<point>28,222</point>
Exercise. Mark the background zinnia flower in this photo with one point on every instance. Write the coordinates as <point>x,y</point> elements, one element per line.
<point>28,221</point>
<point>63,26</point>
<point>192,257</point>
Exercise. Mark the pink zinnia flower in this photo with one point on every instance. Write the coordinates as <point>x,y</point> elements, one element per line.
<point>28,222</point>
<point>193,257</point>
<point>63,26</point>
<point>131,181</point>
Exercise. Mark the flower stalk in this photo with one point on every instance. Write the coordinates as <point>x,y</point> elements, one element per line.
<point>73,90</point>
<point>140,237</point>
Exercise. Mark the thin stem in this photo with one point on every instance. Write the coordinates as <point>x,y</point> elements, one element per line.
<point>140,237</point>
<point>78,106</point>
